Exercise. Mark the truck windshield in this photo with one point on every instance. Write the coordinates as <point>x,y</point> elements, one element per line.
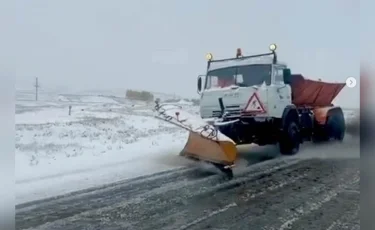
<point>242,76</point>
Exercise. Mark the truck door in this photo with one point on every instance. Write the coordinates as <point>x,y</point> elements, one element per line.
<point>280,92</point>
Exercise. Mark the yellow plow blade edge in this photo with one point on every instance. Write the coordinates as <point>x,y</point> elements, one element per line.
<point>205,142</point>
<point>201,148</point>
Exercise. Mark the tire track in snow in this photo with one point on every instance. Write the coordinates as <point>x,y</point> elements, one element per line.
<point>264,204</point>
<point>211,214</point>
<point>268,195</point>
<point>77,202</point>
<point>309,207</point>
<point>74,172</point>
<point>183,183</point>
<point>133,181</point>
<point>342,198</point>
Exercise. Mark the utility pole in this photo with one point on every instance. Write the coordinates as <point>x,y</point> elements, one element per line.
<point>36,88</point>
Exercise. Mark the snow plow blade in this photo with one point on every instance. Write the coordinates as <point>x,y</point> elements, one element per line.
<point>205,142</point>
<point>201,148</point>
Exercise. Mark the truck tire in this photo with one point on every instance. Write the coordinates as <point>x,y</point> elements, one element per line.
<point>290,139</point>
<point>335,126</point>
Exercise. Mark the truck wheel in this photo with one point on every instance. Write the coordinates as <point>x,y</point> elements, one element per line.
<point>290,139</point>
<point>335,126</point>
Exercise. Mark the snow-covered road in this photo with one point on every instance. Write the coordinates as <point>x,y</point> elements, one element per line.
<point>307,191</point>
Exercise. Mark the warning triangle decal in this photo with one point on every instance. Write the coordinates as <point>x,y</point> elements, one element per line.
<point>254,105</point>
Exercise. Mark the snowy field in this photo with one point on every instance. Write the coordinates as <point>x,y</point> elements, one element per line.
<point>105,139</point>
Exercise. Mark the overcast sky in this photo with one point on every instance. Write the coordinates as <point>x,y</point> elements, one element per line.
<point>160,45</point>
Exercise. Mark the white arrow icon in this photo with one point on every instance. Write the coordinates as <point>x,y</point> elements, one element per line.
<point>351,82</point>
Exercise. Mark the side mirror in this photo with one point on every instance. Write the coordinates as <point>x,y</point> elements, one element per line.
<point>287,76</point>
<point>199,83</point>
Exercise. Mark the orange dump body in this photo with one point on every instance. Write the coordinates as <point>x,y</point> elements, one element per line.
<point>306,92</point>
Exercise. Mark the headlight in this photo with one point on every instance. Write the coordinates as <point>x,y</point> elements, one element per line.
<point>209,56</point>
<point>273,47</point>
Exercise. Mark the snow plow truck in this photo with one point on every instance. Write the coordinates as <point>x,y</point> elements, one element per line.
<point>255,99</point>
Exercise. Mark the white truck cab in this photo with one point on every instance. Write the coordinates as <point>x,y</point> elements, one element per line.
<point>247,86</point>
<point>251,96</point>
